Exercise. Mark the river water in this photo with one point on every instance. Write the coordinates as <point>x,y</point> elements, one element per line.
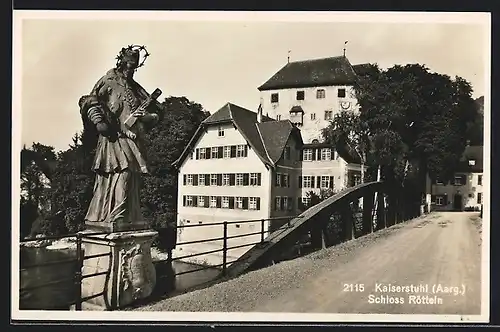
<point>62,295</point>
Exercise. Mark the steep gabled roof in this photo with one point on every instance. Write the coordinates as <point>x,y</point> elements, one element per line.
<point>275,135</point>
<point>267,138</point>
<point>314,72</point>
<point>472,153</point>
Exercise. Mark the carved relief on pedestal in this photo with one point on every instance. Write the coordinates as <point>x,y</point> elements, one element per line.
<point>138,272</point>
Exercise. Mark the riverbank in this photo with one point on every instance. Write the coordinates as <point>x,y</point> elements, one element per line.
<point>69,243</point>
<point>60,244</point>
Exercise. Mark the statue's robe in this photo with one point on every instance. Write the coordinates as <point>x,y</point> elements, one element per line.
<point>119,160</point>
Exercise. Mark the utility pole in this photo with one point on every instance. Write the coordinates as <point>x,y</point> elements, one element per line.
<point>345,43</point>
<point>288,58</point>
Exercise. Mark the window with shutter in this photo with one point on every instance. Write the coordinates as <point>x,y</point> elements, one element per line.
<point>239,202</point>
<point>245,179</point>
<point>246,151</point>
<point>214,152</point>
<point>253,179</point>
<point>227,152</point>
<point>277,178</point>
<point>232,179</point>
<point>231,202</point>
<point>183,200</point>
<point>206,201</point>
<point>197,154</point>
<point>239,179</point>
<point>184,179</point>
<point>313,155</point>
<point>218,200</point>
<point>290,203</point>
<point>245,203</point>
<point>207,153</point>
<point>219,179</point>
<point>207,179</point>
<point>300,181</point>
<point>195,179</point>
<point>220,152</point>
<point>284,203</point>
<point>258,203</point>
<point>195,201</point>
<point>331,182</point>
<point>258,179</point>
<point>225,179</point>
<point>233,151</point>
<point>312,182</point>
<point>318,182</point>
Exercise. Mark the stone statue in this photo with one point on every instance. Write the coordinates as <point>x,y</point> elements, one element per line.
<point>121,111</point>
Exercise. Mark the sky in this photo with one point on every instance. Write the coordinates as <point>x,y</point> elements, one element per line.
<point>213,60</point>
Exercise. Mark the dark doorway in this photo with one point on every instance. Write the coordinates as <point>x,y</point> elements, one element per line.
<point>457,202</point>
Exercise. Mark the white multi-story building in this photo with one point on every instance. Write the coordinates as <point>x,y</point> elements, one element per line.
<point>309,93</point>
<point>465,191</point>
<point>241,165</point>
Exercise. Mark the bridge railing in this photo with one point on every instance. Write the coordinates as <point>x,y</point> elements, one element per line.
<point>225,248</point>
<point>77,278</point>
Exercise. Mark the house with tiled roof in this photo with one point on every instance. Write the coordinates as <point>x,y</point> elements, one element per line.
<point>243,165</point>
<point>309,93</point>
<point>239,165</point>
<point>465,190</point>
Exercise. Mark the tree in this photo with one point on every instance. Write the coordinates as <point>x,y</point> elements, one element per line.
<point>347,130</point>
<point>165,144</point>
<point>72,187</point>
<point>36,172</point>
<point>475,129</point>
<point>415,115</point>
<point>314,198</point>
<point>417,123</point>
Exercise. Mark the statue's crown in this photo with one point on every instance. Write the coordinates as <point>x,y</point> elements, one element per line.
<point>132,52</point>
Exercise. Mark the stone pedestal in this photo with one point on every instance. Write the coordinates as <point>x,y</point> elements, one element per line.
<point>130,271</point>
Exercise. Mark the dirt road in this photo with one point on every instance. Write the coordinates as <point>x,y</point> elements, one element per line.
<point>426,258</point>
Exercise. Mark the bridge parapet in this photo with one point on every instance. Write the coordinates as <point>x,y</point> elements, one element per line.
<point>337,219</point>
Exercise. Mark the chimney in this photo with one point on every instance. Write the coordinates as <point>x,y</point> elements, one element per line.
<point>259,114</point>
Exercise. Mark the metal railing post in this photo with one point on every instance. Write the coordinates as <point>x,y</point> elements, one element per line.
<point>78,274</point>
<point>262,225</point>
<point>224,249</point>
